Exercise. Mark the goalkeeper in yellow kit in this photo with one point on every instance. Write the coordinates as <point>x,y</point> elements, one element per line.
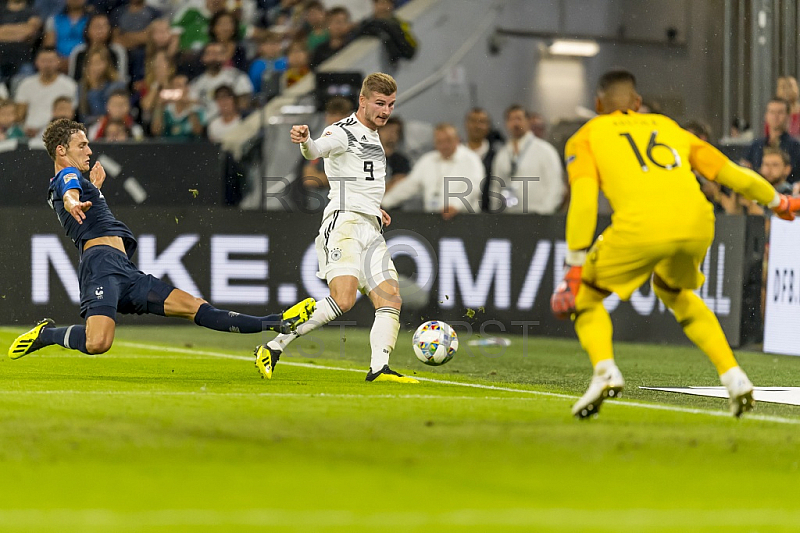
<point>661,229</point>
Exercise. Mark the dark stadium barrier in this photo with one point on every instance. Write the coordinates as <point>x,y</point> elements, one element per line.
<point>495,273</point>
<point>140,173</point>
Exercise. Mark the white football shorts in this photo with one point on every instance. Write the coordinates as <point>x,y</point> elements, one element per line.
<point>351,244</point>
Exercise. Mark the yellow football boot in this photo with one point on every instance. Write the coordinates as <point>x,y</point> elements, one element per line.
<point>27,342</point>
<point>296,315</point>
<point>266,359</point>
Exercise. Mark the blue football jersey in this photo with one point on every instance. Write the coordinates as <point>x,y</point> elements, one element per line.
<point>99,222</point>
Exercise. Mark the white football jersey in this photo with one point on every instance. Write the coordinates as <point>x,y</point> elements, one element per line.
<point>355,164</point>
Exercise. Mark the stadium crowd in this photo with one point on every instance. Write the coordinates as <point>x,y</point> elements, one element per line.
<point>193,69</point>
<point>178,69</point>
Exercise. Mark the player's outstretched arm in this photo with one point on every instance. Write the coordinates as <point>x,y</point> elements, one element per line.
<point>753,187</point>
<point>714,165</point>
<point>74,206</point>
<point>332,142</point>
<point>302,136</point>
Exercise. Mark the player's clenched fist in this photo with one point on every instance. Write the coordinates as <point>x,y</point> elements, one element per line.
<point>299,134</point>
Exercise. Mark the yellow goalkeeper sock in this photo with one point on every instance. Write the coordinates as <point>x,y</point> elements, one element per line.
<point>700,325</point>
<point>593,325</point>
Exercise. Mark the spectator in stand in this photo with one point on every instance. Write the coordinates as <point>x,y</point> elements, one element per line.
<point>266,69</point>
<point>176,115</point>
<point>48,8</point>
<point>116,131</point>
<point>538,125</point>
<point>224,29</point>
<point>100,80</point>
<point>65,30</point>
<point>9,128</point>
<point>397,164</point>
<point>63,107</point>
<point>35,94</point>
<point>161,38</point>
<point>315,27</point>
<point>478,124</point>
<point>339,35</point>
<point>740,129</point>
<point>711,189</point>
<point>158,73</point>
<point>217,74</point>
<point>20,26</point>
<point>118,109</point>
<point>130,30</point>
<point>776,166</point>
<point>776,118</point>
<point>787,90</point>
<point>97,35</point>
<point>699,129</point>
<point>228,116</point>
<point>297,56</point>
<point>310,189</point>
<point>439,177</point>
<point>286,15</point>
<point>528,170</point>
<point>192,21</point>
<point>395,33</point>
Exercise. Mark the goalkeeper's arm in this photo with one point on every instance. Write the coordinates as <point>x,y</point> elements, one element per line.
<point>753,187</point>
<point>581,224</point>
<point>581,219</point>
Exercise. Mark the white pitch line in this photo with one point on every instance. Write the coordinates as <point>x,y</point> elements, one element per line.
<point>658,407</point>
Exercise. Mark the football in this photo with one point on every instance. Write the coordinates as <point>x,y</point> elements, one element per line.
<point>435,343</point>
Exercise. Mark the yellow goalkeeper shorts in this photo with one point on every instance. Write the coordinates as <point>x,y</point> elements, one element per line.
<point>622,267</point>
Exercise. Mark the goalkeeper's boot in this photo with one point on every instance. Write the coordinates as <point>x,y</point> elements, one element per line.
<point>387,374</point>
<point>296,315</point>
<point>740,391</point>
<point>607,382</point>
<point>266,359</point>
<point>29,342</point>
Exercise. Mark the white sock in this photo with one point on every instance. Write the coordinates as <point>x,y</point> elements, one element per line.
<point>326,311</point>
<point>604,367</point>
<point>383,336</point>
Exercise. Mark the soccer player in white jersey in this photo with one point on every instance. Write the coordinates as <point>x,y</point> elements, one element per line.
<point>350,246</point>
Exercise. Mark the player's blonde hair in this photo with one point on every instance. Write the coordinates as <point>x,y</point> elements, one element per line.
<point>380,83</point>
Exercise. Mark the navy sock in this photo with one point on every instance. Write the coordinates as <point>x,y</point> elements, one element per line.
<point>210,317</point>
<point>72,337</point>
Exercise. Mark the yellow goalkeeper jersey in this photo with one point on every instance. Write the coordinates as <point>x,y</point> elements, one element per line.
<point>643,164</point>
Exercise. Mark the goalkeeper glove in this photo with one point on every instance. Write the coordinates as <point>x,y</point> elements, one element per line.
<point>787,207</point>
<point>562,303</point>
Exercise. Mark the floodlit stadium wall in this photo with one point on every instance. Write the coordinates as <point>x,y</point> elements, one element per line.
<point>489,273</point>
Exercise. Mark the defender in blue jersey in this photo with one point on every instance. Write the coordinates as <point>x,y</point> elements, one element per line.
<point>109,281</point>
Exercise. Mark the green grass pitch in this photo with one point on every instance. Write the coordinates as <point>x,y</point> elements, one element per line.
<point>173,430</point>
